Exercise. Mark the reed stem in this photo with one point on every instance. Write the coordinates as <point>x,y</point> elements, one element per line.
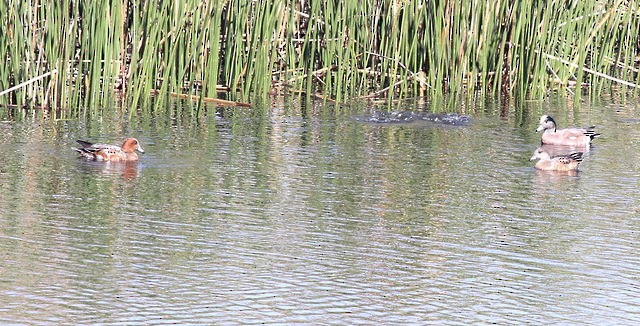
<point>119,53</point>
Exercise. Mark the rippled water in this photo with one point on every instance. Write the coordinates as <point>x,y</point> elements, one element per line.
<point>304,215</point>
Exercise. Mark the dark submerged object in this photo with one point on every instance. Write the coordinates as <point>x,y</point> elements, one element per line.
<point>410,116</point>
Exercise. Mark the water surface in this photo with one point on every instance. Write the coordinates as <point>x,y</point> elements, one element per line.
<point>293,214</point>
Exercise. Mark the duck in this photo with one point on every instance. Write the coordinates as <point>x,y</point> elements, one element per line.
<point>578,137</point>
<point>546,162</point>
<point>102,152</point>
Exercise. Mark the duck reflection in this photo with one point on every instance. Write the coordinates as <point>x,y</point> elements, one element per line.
<point>563,150</point>
<point>128,170</point>
<point>555,175</point>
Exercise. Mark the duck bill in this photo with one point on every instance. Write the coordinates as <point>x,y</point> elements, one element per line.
<point>539,129</point>
<point>140,149</point>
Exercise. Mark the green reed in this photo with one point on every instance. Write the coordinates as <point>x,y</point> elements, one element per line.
<point>139,54</point>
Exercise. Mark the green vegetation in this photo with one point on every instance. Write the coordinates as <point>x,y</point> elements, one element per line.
<point>81,53</point>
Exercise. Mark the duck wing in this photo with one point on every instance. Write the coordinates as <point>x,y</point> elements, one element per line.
<point>568,159</point>
<point>91,147</point>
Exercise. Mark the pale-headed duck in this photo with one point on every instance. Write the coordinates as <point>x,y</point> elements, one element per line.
<point>581,137</point>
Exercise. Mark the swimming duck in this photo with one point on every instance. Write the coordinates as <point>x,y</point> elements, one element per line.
<point>569,136</point>
<point>546,162</point>
<point>102,152</point>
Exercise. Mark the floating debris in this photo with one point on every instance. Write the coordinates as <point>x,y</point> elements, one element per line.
<point>410,116</point>
<point>448,118</point>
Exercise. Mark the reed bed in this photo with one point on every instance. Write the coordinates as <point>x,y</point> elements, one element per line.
<point>80,54</point>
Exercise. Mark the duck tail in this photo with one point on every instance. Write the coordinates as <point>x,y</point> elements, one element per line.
<point>84,143</point>
<point>84,153</point>
<point>591,132</point>
<point>577,156</point>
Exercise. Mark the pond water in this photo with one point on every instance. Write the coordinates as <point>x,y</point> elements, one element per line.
<point>303,214</point>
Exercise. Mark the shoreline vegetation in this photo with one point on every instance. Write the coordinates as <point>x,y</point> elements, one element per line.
<point>67,55</point>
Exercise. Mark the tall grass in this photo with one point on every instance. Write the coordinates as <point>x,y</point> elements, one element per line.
<point>138,54</point>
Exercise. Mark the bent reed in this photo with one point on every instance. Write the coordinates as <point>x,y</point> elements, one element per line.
<point>73,54</point>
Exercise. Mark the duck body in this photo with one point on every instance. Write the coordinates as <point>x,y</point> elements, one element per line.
<point>578,137</point>
<point>102,152</point>
<point>546,162</point>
